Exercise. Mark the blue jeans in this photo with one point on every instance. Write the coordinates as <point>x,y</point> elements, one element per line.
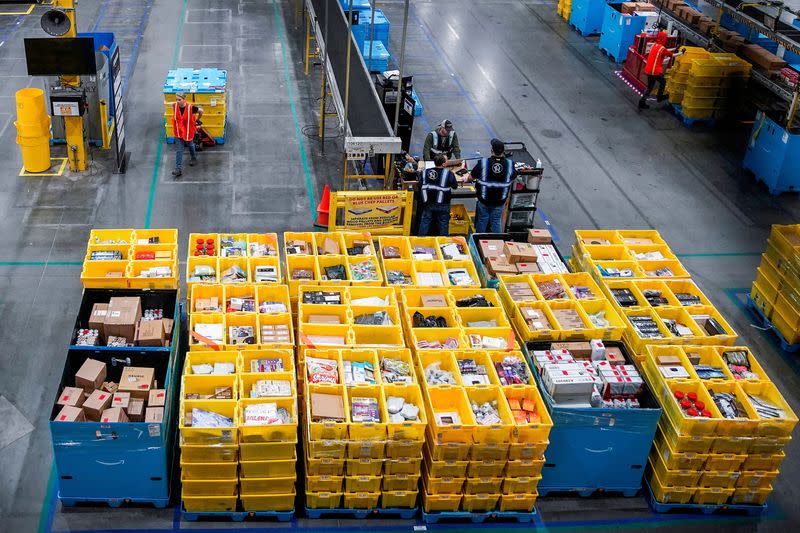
<point>179,144</point>
<point>488,218</point>
<point>440,214</point>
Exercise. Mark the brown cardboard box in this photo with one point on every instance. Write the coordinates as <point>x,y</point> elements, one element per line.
<point>705,26</point>
<point>136,410</point>
<point>150,333</point>
<point>614,356</point>
<point>168,325</point>
<point>499,265</point>
<point>70,413</point>
<point>539,236</point>
<point>113,415</point>
<point>95,404</point>
<point>628,8</point>
<point>636,241</point>
<point>72,396</point>
<point>579,350</point>
<point>667,360</point>
<point>121,400</point>
<point>528,268</point>
<point>761,57</point>
<point>330,247</point>
<point>90,375</point>
<point>97,318</point>
<point>123,316</point>
<point>433,300</point>
<point>156,398</point>
<point>520,252</point>
<point>110,386</point>
<point>490,247</point>
<point>136,380</point>
<point>154,415</point>
<point>327,406</point>
<point>324,319</point>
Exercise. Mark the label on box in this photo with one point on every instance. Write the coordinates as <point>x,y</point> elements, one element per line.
<point>154,430</point>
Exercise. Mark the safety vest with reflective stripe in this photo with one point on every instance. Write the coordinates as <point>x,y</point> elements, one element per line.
<point>492,187</point>
<point>444,147</point>
<point>655,60</point>
<point>434,181</point>
<point>183,124</point>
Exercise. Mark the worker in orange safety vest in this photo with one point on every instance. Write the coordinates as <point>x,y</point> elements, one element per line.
<point>654,68</point>
<point>184,126</point>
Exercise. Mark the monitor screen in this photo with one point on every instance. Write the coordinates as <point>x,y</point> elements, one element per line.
<point>60,56</point>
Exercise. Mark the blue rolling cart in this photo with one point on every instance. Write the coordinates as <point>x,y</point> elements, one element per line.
<point>773,155</point>
<point>120,462</point>
<point>596,449</point>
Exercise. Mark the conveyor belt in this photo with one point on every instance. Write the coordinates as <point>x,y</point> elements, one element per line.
<point>365,116</point>
<point>762,18</point>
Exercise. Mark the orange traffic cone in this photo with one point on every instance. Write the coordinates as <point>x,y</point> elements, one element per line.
<point>323,209</point>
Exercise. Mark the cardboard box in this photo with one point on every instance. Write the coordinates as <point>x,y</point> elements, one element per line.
<point>97,318</point>
<point>539,236</point>
<point>499,265</point>
<point>156,398</point>
<point>528,268</point>
<point>520,252</point>
<point>761,57</point>
<point>72,396</point>
<point>614,356</point>
<point>150,333</point>
<point>580,350</point>
<point>113,415</point>
<point>330,247</point>
<point>168,325</point>
<point>95,404</point>
<point>136,410</point>
<point>70,413</point>
<point>136,380</point>
<point>154,415</point>
<point>433,300</point>
<point>121,400</point>
<point>110,386</point>
<point>327,406</point>
<point>90,375</point>
<point>490,247</point>
<point>124,314</point>
<point>323,319</point>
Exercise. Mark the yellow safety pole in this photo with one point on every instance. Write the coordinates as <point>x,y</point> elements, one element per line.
<point>33,130</point>
<point>73,126</point>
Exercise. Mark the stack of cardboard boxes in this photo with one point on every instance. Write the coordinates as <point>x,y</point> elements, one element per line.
<point>93,399</point>
<point>120,322</point>
<point>508,257</point>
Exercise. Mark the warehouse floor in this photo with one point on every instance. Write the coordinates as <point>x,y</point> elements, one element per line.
<point>505,68</point>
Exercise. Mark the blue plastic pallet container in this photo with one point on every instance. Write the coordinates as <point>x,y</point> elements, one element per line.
<point>586,16</point>
<point>112,463</point>
<point>204,80</point>
<point>619,31</point>
<point>364,29</point>
<point>379,60</point>
<point>358,5</point>
<point>595,449</point>
<point>418,109</point>
<point>773,155</point>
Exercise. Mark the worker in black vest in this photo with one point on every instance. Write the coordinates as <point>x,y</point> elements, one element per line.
<point>493,177</point>
<point>435,187</point>
<point>443,140</point>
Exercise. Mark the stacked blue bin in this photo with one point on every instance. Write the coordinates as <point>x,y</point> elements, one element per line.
<point>586,16</point>
<point>129,461</point>
<point>364,29</point>
<point>358,5</point>
<point>773,155</point>
<point>378,60</point>
<point>619,31</point>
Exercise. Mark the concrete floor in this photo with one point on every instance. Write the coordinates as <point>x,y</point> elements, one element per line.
<point>506,68</point>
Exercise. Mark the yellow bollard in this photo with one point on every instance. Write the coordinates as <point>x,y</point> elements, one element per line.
<point>33,130</point>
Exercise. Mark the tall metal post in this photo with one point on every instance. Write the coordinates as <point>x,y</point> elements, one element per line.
<point>347,87</point>
<point>390,167</point>
<point>324,54</point>
<point>73,126</point>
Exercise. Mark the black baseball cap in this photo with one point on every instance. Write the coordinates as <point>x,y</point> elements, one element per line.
<point>446,124</point>
<point>498,146</point>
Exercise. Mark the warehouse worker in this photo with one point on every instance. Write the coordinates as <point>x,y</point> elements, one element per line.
<point>184,124</point>
<point>654,68</point>
<point>493,177</point>
<point>442,140</point>
<point>435,187</point>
